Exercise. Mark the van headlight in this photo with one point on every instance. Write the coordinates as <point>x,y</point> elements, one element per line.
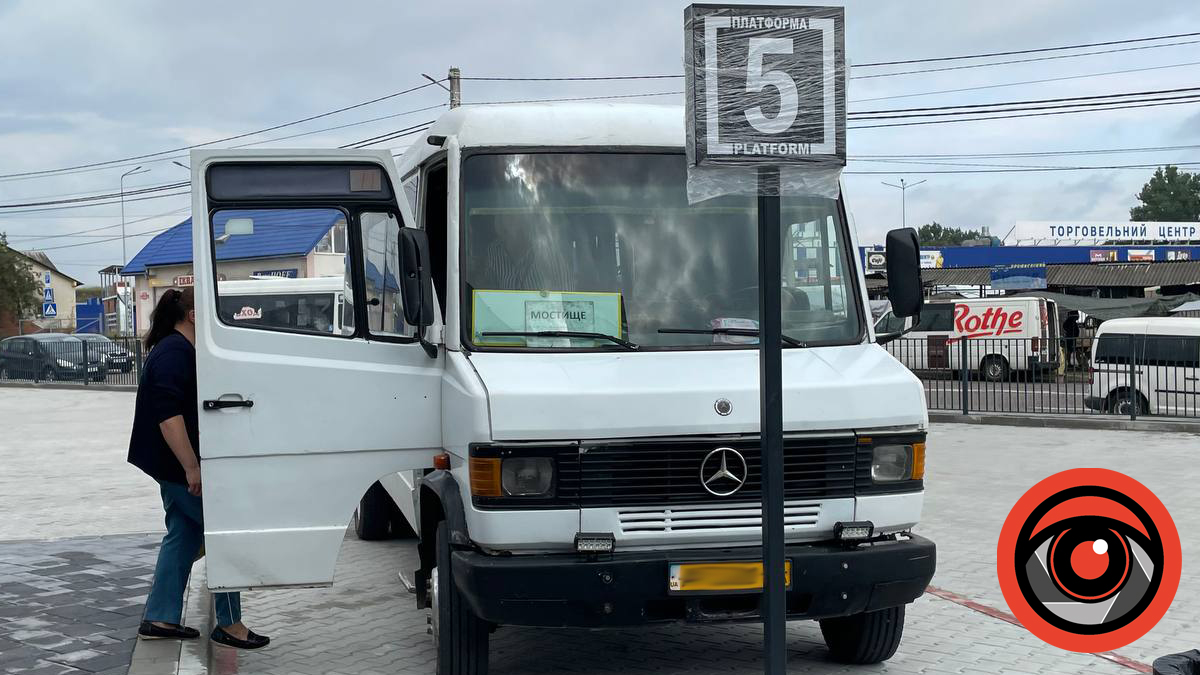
<point>527,476</point>
<point>892,463</point>
<point>512,476</point>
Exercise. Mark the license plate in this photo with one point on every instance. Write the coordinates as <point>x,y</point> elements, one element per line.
<point>724,576</point>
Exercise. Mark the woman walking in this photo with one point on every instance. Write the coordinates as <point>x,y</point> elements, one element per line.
<point>166,445</point>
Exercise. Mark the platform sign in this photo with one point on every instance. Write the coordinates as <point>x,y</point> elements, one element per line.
<point>49,310</point>
<point>47,294</point>
<point>765,85</point>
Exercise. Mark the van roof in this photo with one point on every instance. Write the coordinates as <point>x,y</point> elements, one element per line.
<point>552,125</point>
<point>1153,325</point>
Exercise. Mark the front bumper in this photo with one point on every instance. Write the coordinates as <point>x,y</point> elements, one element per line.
<point>624,589</point>
<point>1098,403</point>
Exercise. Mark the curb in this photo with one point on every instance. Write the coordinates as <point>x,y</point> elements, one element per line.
<point>69,385</point>
<point>1066,422</point>
<point>180,657</point>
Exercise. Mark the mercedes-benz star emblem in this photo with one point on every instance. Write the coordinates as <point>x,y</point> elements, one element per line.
<point>723,472</point>
<point>723,406</point>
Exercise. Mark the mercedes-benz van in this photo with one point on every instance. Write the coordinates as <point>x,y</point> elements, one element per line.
<point>539,369</point>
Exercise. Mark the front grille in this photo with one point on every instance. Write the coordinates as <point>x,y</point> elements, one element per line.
<point>667,471</point>
<point>714,517</point>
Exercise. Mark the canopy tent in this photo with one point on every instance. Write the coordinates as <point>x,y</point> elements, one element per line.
<point>1114,308</point>
<point>1193,306</point>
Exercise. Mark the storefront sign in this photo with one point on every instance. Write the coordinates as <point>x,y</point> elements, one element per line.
<point>1034,230</point>
<point>1020,277</point>
<point>184,280</point>
<point>765,85</point>
<point>247,313</point>
<point>291,273</point>
<point>1177,255</point>
<point>877,261</point>
<point>1141,255</point>
<point>532,311</point>
<point>1103,255</point>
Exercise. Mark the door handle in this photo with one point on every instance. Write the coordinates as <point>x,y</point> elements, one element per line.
<point>217,405</point>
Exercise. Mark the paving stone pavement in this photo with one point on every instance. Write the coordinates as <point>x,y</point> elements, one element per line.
<point>73,605</point>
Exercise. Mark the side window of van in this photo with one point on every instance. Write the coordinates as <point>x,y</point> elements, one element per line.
<point>433,217</point>
<point>381,274</point>
<point>283,269</point>
<point>889,323</point>
<point>1117,347</point>
<point>937,318</point>
<point>1172,350</point>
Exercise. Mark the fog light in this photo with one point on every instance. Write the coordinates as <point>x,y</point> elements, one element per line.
<point>594,542</point>
<point>854,531</point>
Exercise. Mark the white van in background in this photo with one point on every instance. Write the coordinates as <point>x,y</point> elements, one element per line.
<point>1165,376</point>
<point>1004,335</point>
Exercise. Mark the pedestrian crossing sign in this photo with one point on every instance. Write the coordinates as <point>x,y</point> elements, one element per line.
<point>47,295</point>
<point>49,309</point>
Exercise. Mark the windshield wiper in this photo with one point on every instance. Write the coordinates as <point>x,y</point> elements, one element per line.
<point>563,334</point>
<point>748,332</point>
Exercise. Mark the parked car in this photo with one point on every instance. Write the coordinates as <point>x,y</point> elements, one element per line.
<point>49,357</point>
<point>116,357</point>
<point>1004,335</point>
<point>1164,376</point>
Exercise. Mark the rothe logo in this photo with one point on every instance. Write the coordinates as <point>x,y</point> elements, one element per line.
<point>723,472</point>
<point>991,322</point>
<point>1089,560</point>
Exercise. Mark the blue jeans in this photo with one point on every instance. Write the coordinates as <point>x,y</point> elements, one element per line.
<point>185,536</point>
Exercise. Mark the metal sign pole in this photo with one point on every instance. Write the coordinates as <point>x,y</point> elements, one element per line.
<point>770,374</point>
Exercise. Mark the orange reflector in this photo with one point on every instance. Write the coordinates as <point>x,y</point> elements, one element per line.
<point>918,465</point>
<point>441,461</point>
<point>485,476</point>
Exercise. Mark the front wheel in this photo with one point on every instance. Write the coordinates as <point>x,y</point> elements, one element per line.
<point>870,637</point>
<point>49,374</point>
<point>460,637</point>
<point>994,369</point>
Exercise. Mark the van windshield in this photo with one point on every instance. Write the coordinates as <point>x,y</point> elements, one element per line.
<point>607,243</point>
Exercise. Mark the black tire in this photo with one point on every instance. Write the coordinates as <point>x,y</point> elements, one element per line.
<point>373,519</point>
<point>460,637</point>
<point>4,372</point>
<point>50,375</point>
<point>1121,402</point>
<point>994,368</point>
<point>870,637</point>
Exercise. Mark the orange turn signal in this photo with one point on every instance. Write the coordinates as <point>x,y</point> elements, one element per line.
<point>485,477</point>
<point>442,461</point>
<point>918,463</point>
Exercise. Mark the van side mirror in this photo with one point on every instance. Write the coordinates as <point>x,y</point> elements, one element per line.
<point>905,290</point>
<point>416,285</point>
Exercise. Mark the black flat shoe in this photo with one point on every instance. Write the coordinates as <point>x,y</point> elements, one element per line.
<point>253,640</point>
<point>149,631</point>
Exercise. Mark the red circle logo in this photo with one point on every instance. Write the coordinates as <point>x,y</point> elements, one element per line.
<point>1089,560</point>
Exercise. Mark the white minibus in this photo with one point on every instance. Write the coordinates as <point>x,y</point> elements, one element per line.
<point>1148,365</point>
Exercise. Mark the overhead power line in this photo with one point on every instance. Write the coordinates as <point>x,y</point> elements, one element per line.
<point>223,140</point>
<point>1025,170</point>
<point>1025,51</point>
<point>1039,153</point>
<point>1013,61</point>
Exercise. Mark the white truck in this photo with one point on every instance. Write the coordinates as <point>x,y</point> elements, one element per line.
<point>1004,335</point>
<point>539,370</point>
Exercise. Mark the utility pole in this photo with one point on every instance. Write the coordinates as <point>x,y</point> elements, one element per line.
<point>455,87</point>
<point>903,187</point>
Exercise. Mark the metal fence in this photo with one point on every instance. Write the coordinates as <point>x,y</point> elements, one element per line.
<point>82,359</point>
<point>1133,375</point>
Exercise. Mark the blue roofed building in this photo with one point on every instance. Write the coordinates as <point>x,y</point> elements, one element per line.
<point>294,243</point>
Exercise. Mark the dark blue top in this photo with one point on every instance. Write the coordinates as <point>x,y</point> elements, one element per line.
<point>167,389</point>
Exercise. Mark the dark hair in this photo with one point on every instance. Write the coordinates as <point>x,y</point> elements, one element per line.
<point>172,308</point>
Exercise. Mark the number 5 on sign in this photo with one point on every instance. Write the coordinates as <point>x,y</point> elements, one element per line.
<point>757,79</point>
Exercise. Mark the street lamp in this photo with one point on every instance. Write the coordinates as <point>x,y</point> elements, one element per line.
<point>903,187</point>
<point>132,172</point>
<point>124,253</point>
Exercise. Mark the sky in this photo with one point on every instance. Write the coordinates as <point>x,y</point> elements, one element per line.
<point>84,82</point>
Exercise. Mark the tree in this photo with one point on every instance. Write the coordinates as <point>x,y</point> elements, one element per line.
<point>934,234</point>
<point>20,295</point>
<point>1170,195</point>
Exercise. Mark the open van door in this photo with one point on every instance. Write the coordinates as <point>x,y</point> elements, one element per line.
<point>302,410</point>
